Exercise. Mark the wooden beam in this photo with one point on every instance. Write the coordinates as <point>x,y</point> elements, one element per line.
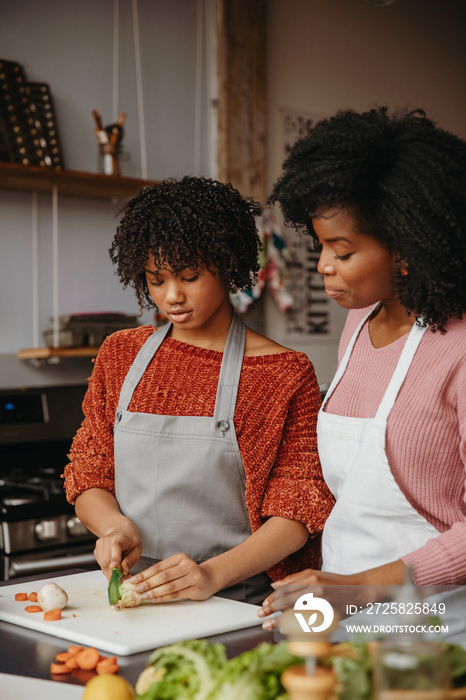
<point>241,60</point>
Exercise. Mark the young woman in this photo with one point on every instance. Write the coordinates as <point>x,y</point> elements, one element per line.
<point>384,197</point>
<point>198,448</point>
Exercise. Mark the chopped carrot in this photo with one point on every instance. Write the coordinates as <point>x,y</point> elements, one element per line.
<point>107,668</point>
<point>21,596</point>
<point>72,663</point>
<point>107,665</point>
<point>33,608</point>
<point>59,668</point>
<point>52,615</point>
<point>108,660</point>
<point>88,658</point>
<point>32,597</point>
<point>64,657</point>
<point>73,649</point>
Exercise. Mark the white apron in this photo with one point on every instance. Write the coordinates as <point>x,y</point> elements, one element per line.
<point>372,522</point>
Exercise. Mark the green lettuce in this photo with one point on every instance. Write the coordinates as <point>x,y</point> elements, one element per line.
<point>255,674</point>
<point>189,670</point>
<point>353,672</point>
<point>198,670</point>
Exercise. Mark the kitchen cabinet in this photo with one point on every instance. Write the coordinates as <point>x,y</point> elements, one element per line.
<point>72,183</point>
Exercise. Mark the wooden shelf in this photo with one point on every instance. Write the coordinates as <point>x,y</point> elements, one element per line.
<point>48,353</point>
<point>73,183</point>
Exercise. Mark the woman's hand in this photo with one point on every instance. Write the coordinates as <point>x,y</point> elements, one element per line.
<point>177,576</point>
<point>120,547</point>
<point>120,542</point>
<point>360,588</point>
<point>289,589</point>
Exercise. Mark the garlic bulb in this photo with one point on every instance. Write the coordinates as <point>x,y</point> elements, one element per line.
<point>52,597</point>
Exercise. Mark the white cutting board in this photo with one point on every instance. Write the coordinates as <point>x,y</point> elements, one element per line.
<point>89,620</point>
<point>20,688</point>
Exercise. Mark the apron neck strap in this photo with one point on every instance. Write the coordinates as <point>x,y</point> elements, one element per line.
<point>139,366</point>
<point>398,377</point>
<point>401,370</point>
<point>230,370</point>
<point>345,359</point>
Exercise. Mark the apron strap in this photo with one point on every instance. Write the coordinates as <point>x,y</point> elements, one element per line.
<point>139,366</point>
<point>230,371</point>
<point>344,362</point>
<point>401,370</point>
<point>398,377</point>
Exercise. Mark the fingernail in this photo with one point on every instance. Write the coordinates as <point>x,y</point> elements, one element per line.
<point>267,625</point>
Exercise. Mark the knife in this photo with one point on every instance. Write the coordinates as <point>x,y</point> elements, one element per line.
<point>114,587</point>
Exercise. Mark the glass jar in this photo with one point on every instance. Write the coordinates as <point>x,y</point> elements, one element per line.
<point>411,670</point>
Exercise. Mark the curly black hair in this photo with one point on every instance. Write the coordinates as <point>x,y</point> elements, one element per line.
<point>187,223</point>
<point>404,180</point>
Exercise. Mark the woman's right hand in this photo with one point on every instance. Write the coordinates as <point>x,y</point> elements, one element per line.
<point>120,542</point>
<point>120,547</point>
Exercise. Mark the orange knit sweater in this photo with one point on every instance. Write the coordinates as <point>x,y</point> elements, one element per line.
<point>275,420</point>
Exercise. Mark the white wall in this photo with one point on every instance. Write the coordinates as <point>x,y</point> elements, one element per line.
<point>69,45</point>
<point>325,55</point>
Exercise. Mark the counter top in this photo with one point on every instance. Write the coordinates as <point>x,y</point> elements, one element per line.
<point>27,653</point>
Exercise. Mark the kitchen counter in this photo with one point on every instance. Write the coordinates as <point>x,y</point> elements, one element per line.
<point>28,653</point>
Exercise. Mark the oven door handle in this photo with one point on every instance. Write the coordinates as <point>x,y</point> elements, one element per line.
<point>52,564</point>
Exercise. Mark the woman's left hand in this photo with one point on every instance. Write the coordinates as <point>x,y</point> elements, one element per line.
<point>177,576</point>
<point>364,587</point>
<point>290,588</point>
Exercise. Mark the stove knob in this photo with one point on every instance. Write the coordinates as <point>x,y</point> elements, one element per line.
<point>46,530</point>
<point>75,528</point>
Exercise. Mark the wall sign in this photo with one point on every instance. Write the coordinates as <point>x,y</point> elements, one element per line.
<point>312,313</point>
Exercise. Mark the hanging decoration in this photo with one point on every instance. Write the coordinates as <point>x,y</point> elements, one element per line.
<point>273,273</point>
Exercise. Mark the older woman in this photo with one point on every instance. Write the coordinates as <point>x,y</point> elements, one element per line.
<point>384,198</point>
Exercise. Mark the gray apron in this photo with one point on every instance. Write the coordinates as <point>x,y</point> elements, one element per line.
<point>181,479</point>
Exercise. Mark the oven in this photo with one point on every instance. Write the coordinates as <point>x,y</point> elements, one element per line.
<point>39,531</point>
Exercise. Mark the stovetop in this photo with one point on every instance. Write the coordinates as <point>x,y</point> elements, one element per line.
<point>30,480</point>
<point>35,497</point>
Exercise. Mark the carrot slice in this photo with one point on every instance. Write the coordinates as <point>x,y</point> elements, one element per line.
<point>59,668</point>
<point>33,608</point>
<point>107,660</point>
<point>52,615</point>
<point>32,597</point>
<point>73,649</point>
<point>72,663</point>
<point>88,658</point>
<point>107,668</point>
<point>64,657</point>
<point>21,596</point>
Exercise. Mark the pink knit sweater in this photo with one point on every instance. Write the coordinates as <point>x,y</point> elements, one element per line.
<point>426,434</point>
